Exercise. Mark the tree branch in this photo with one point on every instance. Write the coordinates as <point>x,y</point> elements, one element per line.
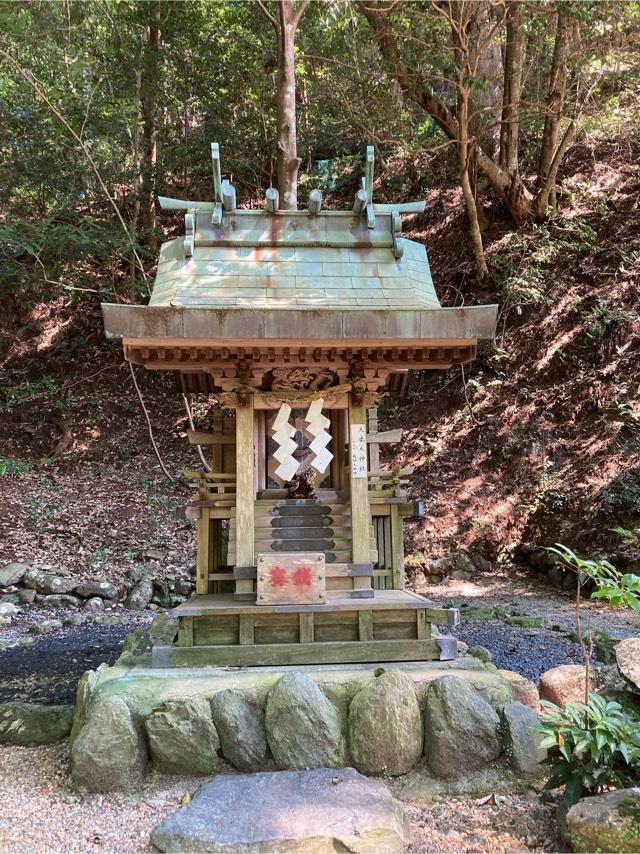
<point>295,20</point>
<point>268,15</point>
<point>149,427</point>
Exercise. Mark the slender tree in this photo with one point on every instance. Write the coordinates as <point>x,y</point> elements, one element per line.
<point>150,85</point>
<point>512,89</point>
<point>285,22</point>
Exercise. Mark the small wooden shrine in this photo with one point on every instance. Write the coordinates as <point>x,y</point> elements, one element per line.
<point>296,322</point>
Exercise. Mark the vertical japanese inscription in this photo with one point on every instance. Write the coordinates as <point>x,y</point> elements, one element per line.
<point>358,450</point>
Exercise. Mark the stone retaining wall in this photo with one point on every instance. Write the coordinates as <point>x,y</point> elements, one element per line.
<point>456,719</point>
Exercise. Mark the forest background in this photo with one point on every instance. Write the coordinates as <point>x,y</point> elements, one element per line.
<point>519,123</point>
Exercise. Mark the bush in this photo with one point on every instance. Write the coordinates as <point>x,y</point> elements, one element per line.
<point>593,746</point>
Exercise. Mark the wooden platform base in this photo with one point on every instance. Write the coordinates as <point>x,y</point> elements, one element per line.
<point>345,652</point>
<point>395,625</point>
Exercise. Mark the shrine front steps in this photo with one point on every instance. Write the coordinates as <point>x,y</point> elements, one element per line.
<point>394,625</point>
<point>304,525</point>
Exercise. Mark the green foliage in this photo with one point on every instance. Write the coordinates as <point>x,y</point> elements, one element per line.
<point>592,746</point>
<point>39,510</point>
<point>615,587</point>
<point>523,274</point>
<point>622,493</point>
<point>12,397</point>
<point>629,536</point>
<point>604,318</point>
<point>553,501</point>
<point>156,490</point>
<point>11,466</point>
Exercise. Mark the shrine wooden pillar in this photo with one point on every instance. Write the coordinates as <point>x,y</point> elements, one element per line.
<point>245,497</point>
<point>359,482</point>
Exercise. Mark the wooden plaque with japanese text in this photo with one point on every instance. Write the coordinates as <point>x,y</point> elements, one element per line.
<point>293,578</point>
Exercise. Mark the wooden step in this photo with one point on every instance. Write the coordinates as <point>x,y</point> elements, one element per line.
<point>331,557</point>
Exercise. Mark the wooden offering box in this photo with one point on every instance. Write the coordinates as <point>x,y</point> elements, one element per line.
<point>291,579</point>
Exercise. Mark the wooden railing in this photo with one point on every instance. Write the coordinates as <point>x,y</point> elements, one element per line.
<point>212,486</point>
<point>392,483</point>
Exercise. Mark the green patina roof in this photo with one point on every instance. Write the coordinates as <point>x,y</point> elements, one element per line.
<point>311,274</point>
<point>244,263</point>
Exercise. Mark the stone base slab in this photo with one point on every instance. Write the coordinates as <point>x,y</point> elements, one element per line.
<point>144,688</point>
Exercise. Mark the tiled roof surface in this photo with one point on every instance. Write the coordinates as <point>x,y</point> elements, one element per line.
<point>263,276</point>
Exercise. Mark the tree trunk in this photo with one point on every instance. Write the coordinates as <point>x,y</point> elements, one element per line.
<point>487,66</point>
<point>554,102</point>
<point>288,161</point>
<point>547,194</point>
<point>465,42</point>
<point>137,182</point>
<point>149,91</point>
<point>513,64</point>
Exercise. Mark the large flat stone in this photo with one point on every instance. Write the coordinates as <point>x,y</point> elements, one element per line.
<point>307,811</point>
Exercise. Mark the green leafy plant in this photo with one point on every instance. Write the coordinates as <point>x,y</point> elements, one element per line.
<point>629,536</point>
<point>592,746</point>
<point>11,466</point>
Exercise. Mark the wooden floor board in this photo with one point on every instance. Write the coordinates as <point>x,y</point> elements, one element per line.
<point>223,603</point>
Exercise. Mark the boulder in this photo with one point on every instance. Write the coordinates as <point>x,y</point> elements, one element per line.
<point>13,573</point>
<point>555,576</point>
<point>521,741</point>
<point>288,811</point>
<point>542,559</point>
<point>140,595</point>
<point>49,583</point>
<point>609,822</point>
<point>136,643</point>
<point>524,621</point>
<point>564,684</point>
<point>385,726</point>
<point>303,727</point>
<point>184,587</point>
<point>60,600</point>
<point>608,680</point>
<point>91,589</point>
<point>8,609</point>
<point>481,653</point>
<point>182,737</point>
<point>628,661</point>
<point>480,561</point>
<point>460,728</point>
<point>26,596</point>
<point>461,562</point>
<point>241,730</point>
<point>44,627</point>
<point>109,752</point>
<point>163,629</point>
<point>523,690</point>
<point>94,604</point>
<point>30,725</point>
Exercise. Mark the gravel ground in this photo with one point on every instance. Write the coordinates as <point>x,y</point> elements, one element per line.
<point>498,824</point>
<point>38,814</point>
<point>48,671</point>
<point>527,651</point>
